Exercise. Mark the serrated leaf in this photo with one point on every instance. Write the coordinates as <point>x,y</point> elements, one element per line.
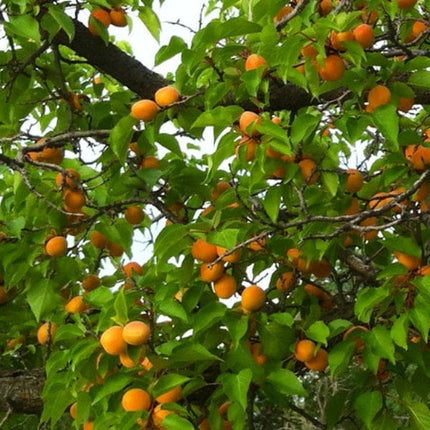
<point>286,382</point>
<point>236,386</point>
<point>381,343</point>
<point>41,297</point>
<point>221,116</point>
<point>208,315</point>
<point>367,299</point>
<point>367,406</point>
<point>331,182</point>
<point>420,78</point>
<point>120,137</point>
<point>167,382</point>
<point>114,384</point>
<point>176,422</point>
<point>190,352</point>
<point>226,238</point>
<point>340,356</point>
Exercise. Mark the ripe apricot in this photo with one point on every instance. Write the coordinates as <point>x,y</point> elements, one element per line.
<point>76,305</point>
<point>405,103</point>
<point>98,240</point>
<point>325,7</point>
<point>259,357</point>
<point>112,341</point>
<point>284,11</point>
<point>73,410</point>
<point>247,122</point>
<point>354,181</point>
<point>364,35</point>
<point>378,96</point>
<point>169,396</point>
<point>136,333</point>
<point>100,15</point>
<point>219,188</point>
<point>320,268</point>
<point>253,298</point>
<point>225,286</point>
<point>204,251</point>
<point>304,350</point>
<point>254,61</point>
<point>359,343</point>
<point>406,4</point>
<point>88,425</point>
<point>134,215</point>
<point>234,257</point>
<point>56,246</point>
<point>285,281</point>
<point>211,273</point>
<point>158,416</point>
<point>51,155</point>
<point>136,399</point>
<point>90,282</point>
<point>74,200</point>
<point>379,200</point>
<point>166,96</point>
<point>150,162</point>
<point>423,192</point>
<point>337,39</point>
<point>332,69</point>
<point>320,294</point>
<point>257,245</point>
<point>368,222</point>
<point>250,148</point>
<point>408,261</point>
<point>145,110</point>
<point>68,178</point>
<point>118,17</point>
<point>308,169</point>
<point>319,362</point>
<point>418,27</point>
<point>132,268</point>
<point>420,157</point>
<point>114,249</point>
<point>46,332</point>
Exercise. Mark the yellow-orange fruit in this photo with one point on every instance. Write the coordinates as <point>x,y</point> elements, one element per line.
<point>325,7</point>
<point>408,261</point>
<point>304,350</point>
<point>285,281</point>
<point>135,400</point>
<point>247,122</point>
<point>364,35</point>
<point>309,51</point>
<point>234,257</point>
<point>420,157</point>
<point>359,343</point>
<point>98,240</point>
<point>379,200</point>
<point>76,305</point>
<point>219,188</point>
<point>150,162</point>
<point>74,200</point>
<point>158,416</point>
<point>102,16</point>
<point>166,96</point>
<point>406,4</point>
<point>332,69</point>
<point>319,362</point>
<point>73,410</point>
<point>172,395</point>
<point>51,155</point>
<point>320,268</point>
<point>250,148</point>
<point>88,425</point>
<point>68,179</point>
<point>337,39</point>
<point>308,169</point>
<point>90,282</point>
<point>112,340</point>
<point>423,192</point>
<point>145,110</point>
<point>405,103</point>
<point>320,294</point>
<point>56,246</point>
<point>354,181</point>
<point>204,251</point>
<point>132,268</point>
<point>225,286</point>
<point>257,245</point>
<point>118,17</point>
<point>253,298</point>
<point>115,250</point>
<point>134,215</point>
<point>253,61</point>
<point>259,357</point>
<point>46,332</point>
<point>378,96</point>
<point>281,13</point>
<point>212,273</point>
<point>368,222</point>
<point>136,333</point>
<point>134,147</point>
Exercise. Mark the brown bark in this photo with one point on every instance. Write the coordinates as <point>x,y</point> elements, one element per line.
<point>21,390</point>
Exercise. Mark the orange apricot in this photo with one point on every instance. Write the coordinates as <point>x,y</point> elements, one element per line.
<point>319,362</point>
<point>247,122</point>
<point>46,332</point>
<point>225,286</point>
<point>112,341</point>
<point>134,215</point>
<point>74,200</point>
<point>145,110</point>
<point>166,96</point>
<point>118,17</point>
<point>150,162</point>
<point>158,416</point>
<point>405,103</point>
<point>354,181</point>
<point>284,11</point>
<point>406,4</point>
<point>136,399</point>
<point>304,350</point>
<point>253,298</point>
<point>136,333</point>
<point>378,96</point>
<point>88,425</point>
<point>364,35</point>
<point>100,15</point>
<point>332,69</point>
<point>211,273</point>
<point>76,305</point>
<point>219,188</point>
<point>254,61</point>
<point>408,261</point>
<point>132,268</point>
<point>172,395</point>
<point>250,148</point>
<point>337,39</point>
<point>308,170</point>
<point>68,178</point>
<point>259,357</point>
<point>51,155</point>
<point>114,249</point>
<point>325,7</point>
<point>234,257</point>
<point>285,281</point>
<point>73,410</point>
<point>90,282</point>
<point>98,240</point>
<point>420,157</point>
<point>203,251</point>
<point>56,246</point>
<point>359,343</point>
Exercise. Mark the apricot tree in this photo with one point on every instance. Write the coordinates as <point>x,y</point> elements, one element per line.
<point>263,265</point>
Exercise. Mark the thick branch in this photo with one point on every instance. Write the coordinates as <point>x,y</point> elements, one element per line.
<point>21,390</point>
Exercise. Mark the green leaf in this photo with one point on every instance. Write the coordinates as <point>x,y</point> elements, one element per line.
<point>387,122</point>
<point>175,46</point>
<point>221,116</point>
<point>55,403</point>
<point>63,20</point>
<point>236,386</point>
<point>151,21</point>
<point>319,332</point>
<point>167,382</point>
<point>270,335</point>
<point>176,422</point>
<point>420,79</point>
<point>120,137</point>
<point>420,415</point>
<point>121,308</point>
<point>41,297</point>
<point>226,238</point>
<point>340,356</point>
<point>189,352</point>
<point>170,242</point>
<point>114,384</point>
<point>304,126</point>
<point>208,316</point>
<point>25,26</point>
<point>331,182</point>
<point>368,298</point>
<point>419,316</point>
<point>367,406</point>
<point>237,326</point>
<point>172,308</point>
<point>271,202</point>
<point>399,331</point>
<point>286,382</point>
<point>381,343</point>
<point>170,143</point>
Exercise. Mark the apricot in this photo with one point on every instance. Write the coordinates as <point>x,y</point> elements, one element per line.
<point>114,249</point>
<point>247,122</point>
<point>51,155</point>
<point>284,11</point>
<point>118,17</point>
<point>225,286</point>
<point>354,181</point>
<point>259,357</point>
<point>76,305</point>
<point>234,257</point>
<point>74,200</point>
<point>98,240</point>
<point>204,251</point>
<point>337,39</point>
<point>359,343</point>
<point>90,282</point>
<point>319,362</point>
<point>134,215</point>
<point>158,416</point>
<point>285,281</point>
<point>364,35</point>
<point>166,96</point>
<point>308,170</point>
<point>169,396</point>
<point>309,51</point>
<point>304,350</point>
<point>254,61</point>
<point>378,96</point>
<point>144,110</point>
<point>420,157</point>
<point>112,341</point>
<point>406,4</point>
<point>405,103</point>
<point>320,294</point>
<point>257,245</point>
<point>418,27</point>
<point>132,268</point>
<point>136,399</point>
<point>88,425</point>
<point>325,7</point>
<point>408,261</point>
<point>56,246</point>
<point>68,178</point>
<point>211,273</point>
<point>253,298</point>
<point>219,188</point>
<point>250,148</point>
<point>136,333</point>
<point>150,162</point>
<point>73,410</point>
<point>46,332</point>
<point>332,69</point>
<point>100,15</point>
